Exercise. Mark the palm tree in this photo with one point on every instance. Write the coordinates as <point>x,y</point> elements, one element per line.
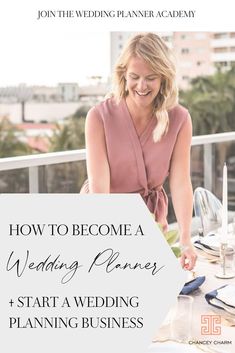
<point>10,146</point>
<point>211,102</point>
<point>10,143</point>
<point>68,177</point>
<point>68,135</point>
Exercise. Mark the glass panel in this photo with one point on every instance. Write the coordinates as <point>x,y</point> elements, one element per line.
<point>14,181</point>
<point>225,152</point>
<point>69,177</point>
<point>221,152</point>
<point>197,166</point>
<point>62,178</point>
<point>197,177</point>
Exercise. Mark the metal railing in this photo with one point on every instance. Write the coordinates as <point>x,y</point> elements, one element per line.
<point>207,141</point>
<point>33,162</point>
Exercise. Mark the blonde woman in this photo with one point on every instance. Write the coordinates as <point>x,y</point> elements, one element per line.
<point>141,135</point>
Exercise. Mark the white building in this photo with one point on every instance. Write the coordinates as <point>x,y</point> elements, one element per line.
<point>223,48</point>
<point>68,91</point>
<point>197,53</point>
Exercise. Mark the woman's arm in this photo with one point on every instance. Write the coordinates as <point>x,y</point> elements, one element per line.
<point>181,192</point>
<point>97,159</point>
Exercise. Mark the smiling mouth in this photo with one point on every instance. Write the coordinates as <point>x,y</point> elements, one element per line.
<point>144,94</point>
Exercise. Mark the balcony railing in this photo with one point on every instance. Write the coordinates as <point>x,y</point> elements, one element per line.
<point>204,161</point>
<point>207,142</point>
<point>33,162</point>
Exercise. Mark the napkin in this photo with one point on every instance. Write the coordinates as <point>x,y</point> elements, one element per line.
<point>203,245</point>
<point>192,285</point>
<point>210,244</point>
<point>223,298</point>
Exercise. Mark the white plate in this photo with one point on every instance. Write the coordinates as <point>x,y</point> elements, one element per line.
<point>207,251</point>
<point>213,241</point>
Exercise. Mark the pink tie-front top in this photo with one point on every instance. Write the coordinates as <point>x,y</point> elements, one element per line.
<point>138,164</point>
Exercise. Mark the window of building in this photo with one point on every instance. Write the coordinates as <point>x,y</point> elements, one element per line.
<point>220,50</point>
<point>184,50</point>
<point>166,38</point>
<point>222,64</point>
<point>221,35</point>
<point>199,63</point>
<point>185,78</point>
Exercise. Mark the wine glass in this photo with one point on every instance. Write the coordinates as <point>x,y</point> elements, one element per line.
<point>208,208</point>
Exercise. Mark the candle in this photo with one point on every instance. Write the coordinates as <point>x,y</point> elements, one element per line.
<point>225,206</point>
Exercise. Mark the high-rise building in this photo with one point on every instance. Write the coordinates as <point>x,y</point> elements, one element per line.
<point>223,48</point>
<point>197,53</point>
<point>193,55</point>
<point>118,39</point>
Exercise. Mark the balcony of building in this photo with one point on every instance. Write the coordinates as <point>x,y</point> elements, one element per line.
<point>65,172</point>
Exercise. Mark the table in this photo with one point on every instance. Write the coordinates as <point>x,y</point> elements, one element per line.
<point>201,307</point>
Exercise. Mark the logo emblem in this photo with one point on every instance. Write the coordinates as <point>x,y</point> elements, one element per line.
<point>210,324</point>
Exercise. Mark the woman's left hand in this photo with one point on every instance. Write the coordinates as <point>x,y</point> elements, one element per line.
<point>188,257</point>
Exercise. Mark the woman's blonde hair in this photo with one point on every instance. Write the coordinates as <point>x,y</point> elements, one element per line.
<point>151,48</point>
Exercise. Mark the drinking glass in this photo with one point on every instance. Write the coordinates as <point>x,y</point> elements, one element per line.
<point>181,322</point>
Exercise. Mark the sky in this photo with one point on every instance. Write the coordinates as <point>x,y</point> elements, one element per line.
<point>54,57</point>
<point>50,50</point>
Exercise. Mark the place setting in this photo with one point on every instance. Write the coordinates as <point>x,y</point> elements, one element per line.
<point>176,331</point>
<point>216,241</point>
<point>216,238</point>
<point>210,288</point>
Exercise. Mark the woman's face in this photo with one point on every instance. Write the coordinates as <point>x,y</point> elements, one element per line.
<point>142,83</point>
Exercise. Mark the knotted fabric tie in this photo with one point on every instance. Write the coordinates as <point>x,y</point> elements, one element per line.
<point>157,202</point>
